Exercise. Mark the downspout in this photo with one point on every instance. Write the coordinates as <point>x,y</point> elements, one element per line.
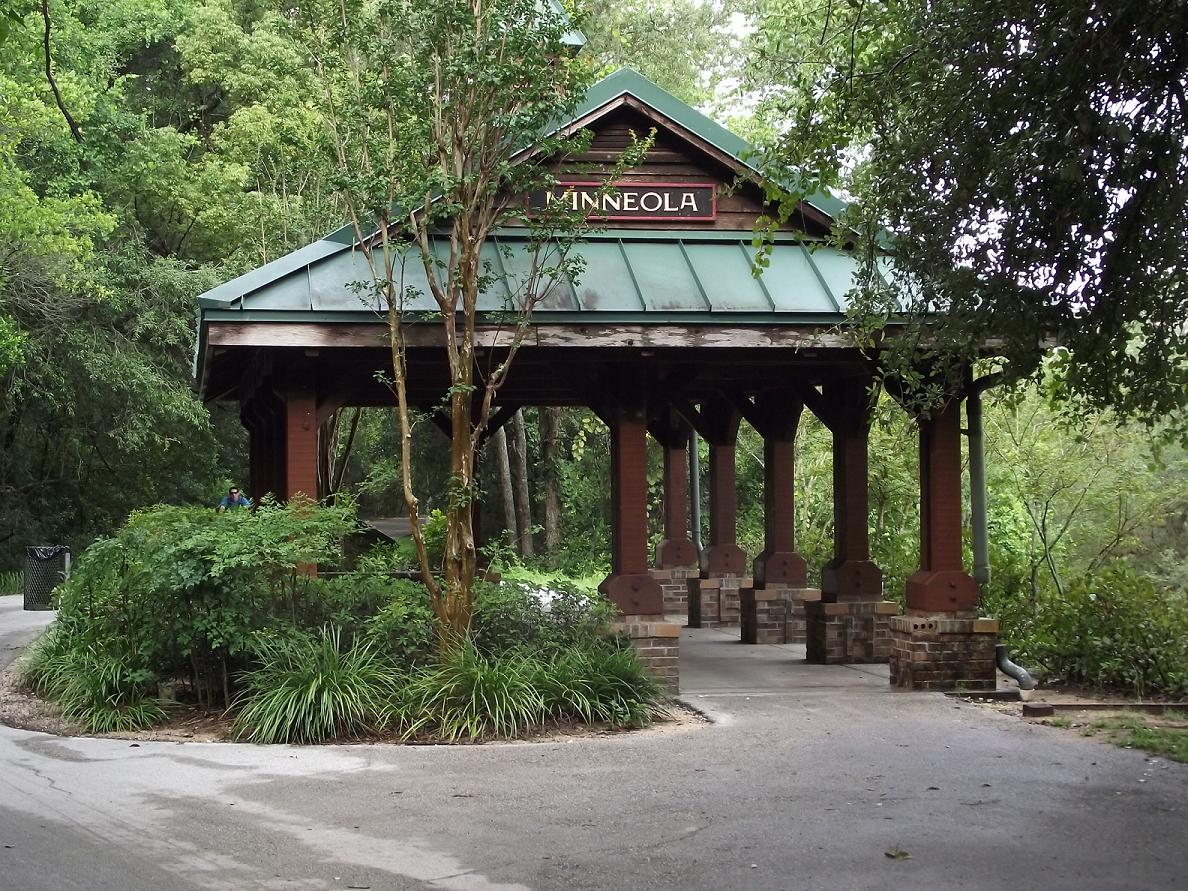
<point>978,523</point>
<point>695,493</point>
<point>977,476</point>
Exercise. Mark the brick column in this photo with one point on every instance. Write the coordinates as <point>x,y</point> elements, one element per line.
<point>773,608</point>
<point>714,595</point>
<point>851,621</point>
<point>941,643</point>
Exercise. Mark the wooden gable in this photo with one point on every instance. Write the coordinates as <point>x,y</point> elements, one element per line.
<point>678,156</point>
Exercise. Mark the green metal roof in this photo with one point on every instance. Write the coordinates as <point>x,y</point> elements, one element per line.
<point>625,272</point>
<point>633,272</point>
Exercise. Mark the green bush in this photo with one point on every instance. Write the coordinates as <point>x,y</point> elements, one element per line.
<point>511,614</point>
<point>105,694</point>
<point>181,590</point>
<point>1114,628</point>
<point>219,603</point>
<point>471,695</point>
<point>312,688</point>
<point>604,683</point>
<point>474,695</point>
<point>403,625</point>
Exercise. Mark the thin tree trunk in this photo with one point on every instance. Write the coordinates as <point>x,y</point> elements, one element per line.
<point>550,425</point>
<point>503,462</point>
<point>519,456</point>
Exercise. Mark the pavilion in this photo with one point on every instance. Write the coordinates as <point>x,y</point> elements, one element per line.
<point>669,329</point>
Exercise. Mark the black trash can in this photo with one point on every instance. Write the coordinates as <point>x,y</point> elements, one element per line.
<point>46,566</point>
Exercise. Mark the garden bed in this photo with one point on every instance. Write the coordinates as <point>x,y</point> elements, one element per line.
<point>189,723</point>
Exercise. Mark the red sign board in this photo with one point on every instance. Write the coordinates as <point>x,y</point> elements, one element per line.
<point>689,202</point>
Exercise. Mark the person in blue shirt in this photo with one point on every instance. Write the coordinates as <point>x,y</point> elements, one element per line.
<point>233,500</point>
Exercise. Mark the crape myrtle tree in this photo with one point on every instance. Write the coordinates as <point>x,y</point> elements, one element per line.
<point>431,107</point>
<point>1029,159</point>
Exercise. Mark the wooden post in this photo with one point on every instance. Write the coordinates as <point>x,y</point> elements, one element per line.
<point>629,585</point>
<point>941,584</point>
<point>722,555</point>
<point>776,417</point>
<point>301,443</point>
<point>676,548</point>
<point>850,575</point>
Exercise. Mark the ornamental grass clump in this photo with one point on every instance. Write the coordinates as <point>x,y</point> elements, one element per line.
<point>605,684</point>
<point>469,695</point>
<point>311,688</point>
<point>104,694</point>
<point>473,695</point>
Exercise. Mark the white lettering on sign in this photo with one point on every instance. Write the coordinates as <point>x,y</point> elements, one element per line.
<point>622,201</point>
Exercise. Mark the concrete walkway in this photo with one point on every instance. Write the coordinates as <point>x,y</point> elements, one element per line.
<point>811,777</point>
<point>715,666</point>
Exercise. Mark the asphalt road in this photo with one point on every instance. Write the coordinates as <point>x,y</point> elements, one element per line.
<point>808,779</point>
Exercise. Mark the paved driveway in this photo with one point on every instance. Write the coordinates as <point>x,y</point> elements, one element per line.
<point>810,777</point>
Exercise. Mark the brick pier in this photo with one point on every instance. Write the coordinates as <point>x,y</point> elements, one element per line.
<point>775,614</point>
<point>714,601</point>
<point>849,631</point>
<point>658,644</point>
<point>943,652</point>
<point>674,582</point>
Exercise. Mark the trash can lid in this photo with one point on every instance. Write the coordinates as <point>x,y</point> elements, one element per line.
<point>46,552</point>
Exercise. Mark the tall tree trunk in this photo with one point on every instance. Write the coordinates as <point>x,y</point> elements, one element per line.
<point>523,502</point>
<point>550,425</point>
<point>503,463</point>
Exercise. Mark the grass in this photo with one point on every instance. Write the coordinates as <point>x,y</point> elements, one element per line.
<point>474,696</point>
<point>103,693</point>
<point>1166,735</point>
<point>12,582</point>
<point>310,689</point>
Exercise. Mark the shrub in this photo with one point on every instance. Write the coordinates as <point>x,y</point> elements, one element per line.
<point>1113,628</point>
<point>471,695</point>
<point>183,589</point>
<point>12,582</point>
<point>513,614</point>
<point>403,626</point>
<point>310,688</point>
<point>105,694</point>
<point>474,695</point>
<point>604,683</point>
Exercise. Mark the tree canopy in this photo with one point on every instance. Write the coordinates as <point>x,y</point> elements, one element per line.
<point>1026,161</point>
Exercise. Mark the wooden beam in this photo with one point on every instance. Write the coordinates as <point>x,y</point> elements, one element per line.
<point>541,334</point>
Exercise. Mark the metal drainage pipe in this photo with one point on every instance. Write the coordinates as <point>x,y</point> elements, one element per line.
<point>977,476</point>
<point>1022,676</point>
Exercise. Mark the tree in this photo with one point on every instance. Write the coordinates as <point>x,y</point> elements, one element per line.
<point>1028,160</point>
<point>685,46</point>
<point>430,108</point>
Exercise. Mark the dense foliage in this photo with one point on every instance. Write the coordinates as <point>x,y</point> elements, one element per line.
<point>216,609</point>
<point>1026,160</point>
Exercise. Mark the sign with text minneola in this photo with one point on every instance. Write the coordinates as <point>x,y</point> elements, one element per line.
<point>632,201</point>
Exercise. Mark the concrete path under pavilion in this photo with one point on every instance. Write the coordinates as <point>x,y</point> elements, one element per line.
<point>716,667</point>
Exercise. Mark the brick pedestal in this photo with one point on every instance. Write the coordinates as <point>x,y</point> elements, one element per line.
<point>658,644</point>
<point>714,601</point>
<point>943,651</point>
<point>849,631</point>
<point>674,582</point>
<point>774,614</point>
